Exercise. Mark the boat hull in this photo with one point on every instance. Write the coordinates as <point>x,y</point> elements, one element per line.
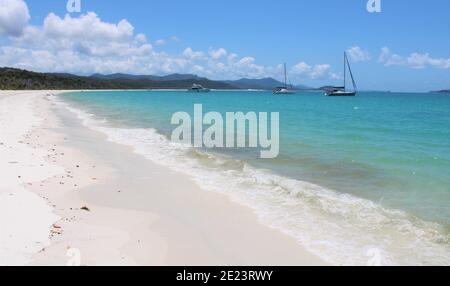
<point>199,91</point>
<point>283,92</point>
<point>341,93</point>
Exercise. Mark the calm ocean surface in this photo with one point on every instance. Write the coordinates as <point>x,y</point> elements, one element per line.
<point>355,176</point>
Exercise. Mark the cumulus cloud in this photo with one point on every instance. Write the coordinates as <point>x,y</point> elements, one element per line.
<point>85,44</point>
<point>217,54</point>
<point>87,34</point>
<point>358,55</point>
<point>192,55</point>
<point>246,61</point>
<point>335,76</point>
<point>160,42</point>
<point>385,54</point>
<point>301,68</point>
<point>80,44</point>
<point>141,38</point>
<point>390,59</point>
<point>414,60</point>
<point>320,71</point>
<point>419,61</point>
<point>86,27</point>
<point>14,17</point>
<point>232,57</point>
<point>304,70</point>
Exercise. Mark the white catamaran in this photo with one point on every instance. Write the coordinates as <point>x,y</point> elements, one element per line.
<point>283,89</point>
<point>341,90</point>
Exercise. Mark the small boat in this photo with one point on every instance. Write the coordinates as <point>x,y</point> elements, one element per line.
<point>342,90</point>
<point>283,89</point>
<point>198,88</point>
<point>339,92</point>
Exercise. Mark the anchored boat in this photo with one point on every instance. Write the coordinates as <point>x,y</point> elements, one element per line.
<point>283,89</point>
<point>342,90</point>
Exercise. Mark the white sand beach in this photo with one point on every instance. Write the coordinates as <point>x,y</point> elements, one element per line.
<point>69,196</point>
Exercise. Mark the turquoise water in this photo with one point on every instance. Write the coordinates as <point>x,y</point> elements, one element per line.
<point>373,170</point>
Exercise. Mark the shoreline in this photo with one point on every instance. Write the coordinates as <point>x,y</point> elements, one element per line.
<point>138,214</point>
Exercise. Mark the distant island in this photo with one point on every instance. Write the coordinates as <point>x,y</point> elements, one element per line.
<point>444,91</point>
<point>17,79</point>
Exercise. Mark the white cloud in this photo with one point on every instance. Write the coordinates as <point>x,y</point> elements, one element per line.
<point>306,71</point>
<point>81,44</point>
<point>414,60</point>
<point>14,17</point>
<point>394,60</point>
<point>389,59</point>
<point>358,55</point>
<point>335,76</point>
<point>232,57</point>
<point>217,54</point>
<point>160,42</point>
<point>246,61</point>
<point>198,69</point>
<point>301,68</point>
<point>141,38</point>
<point>86,44</point>
<point>419,61</point>
<point>87,27</point>
<point>384,56</point>
<point>192,55</point>
<point>320,71</point>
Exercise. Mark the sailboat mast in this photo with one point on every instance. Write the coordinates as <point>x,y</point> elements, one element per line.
<point>351,74</point>
<point>285,76</point>
<point>345,70</point>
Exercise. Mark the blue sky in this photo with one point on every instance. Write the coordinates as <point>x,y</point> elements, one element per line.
<point>230,39</point>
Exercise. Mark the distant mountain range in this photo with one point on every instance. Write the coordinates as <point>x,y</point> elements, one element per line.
<point>11,78</point>
<point>244,83</point>
<point>267,83</point>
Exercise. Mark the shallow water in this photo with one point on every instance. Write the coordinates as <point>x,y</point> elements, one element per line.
<point>353,175</point>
